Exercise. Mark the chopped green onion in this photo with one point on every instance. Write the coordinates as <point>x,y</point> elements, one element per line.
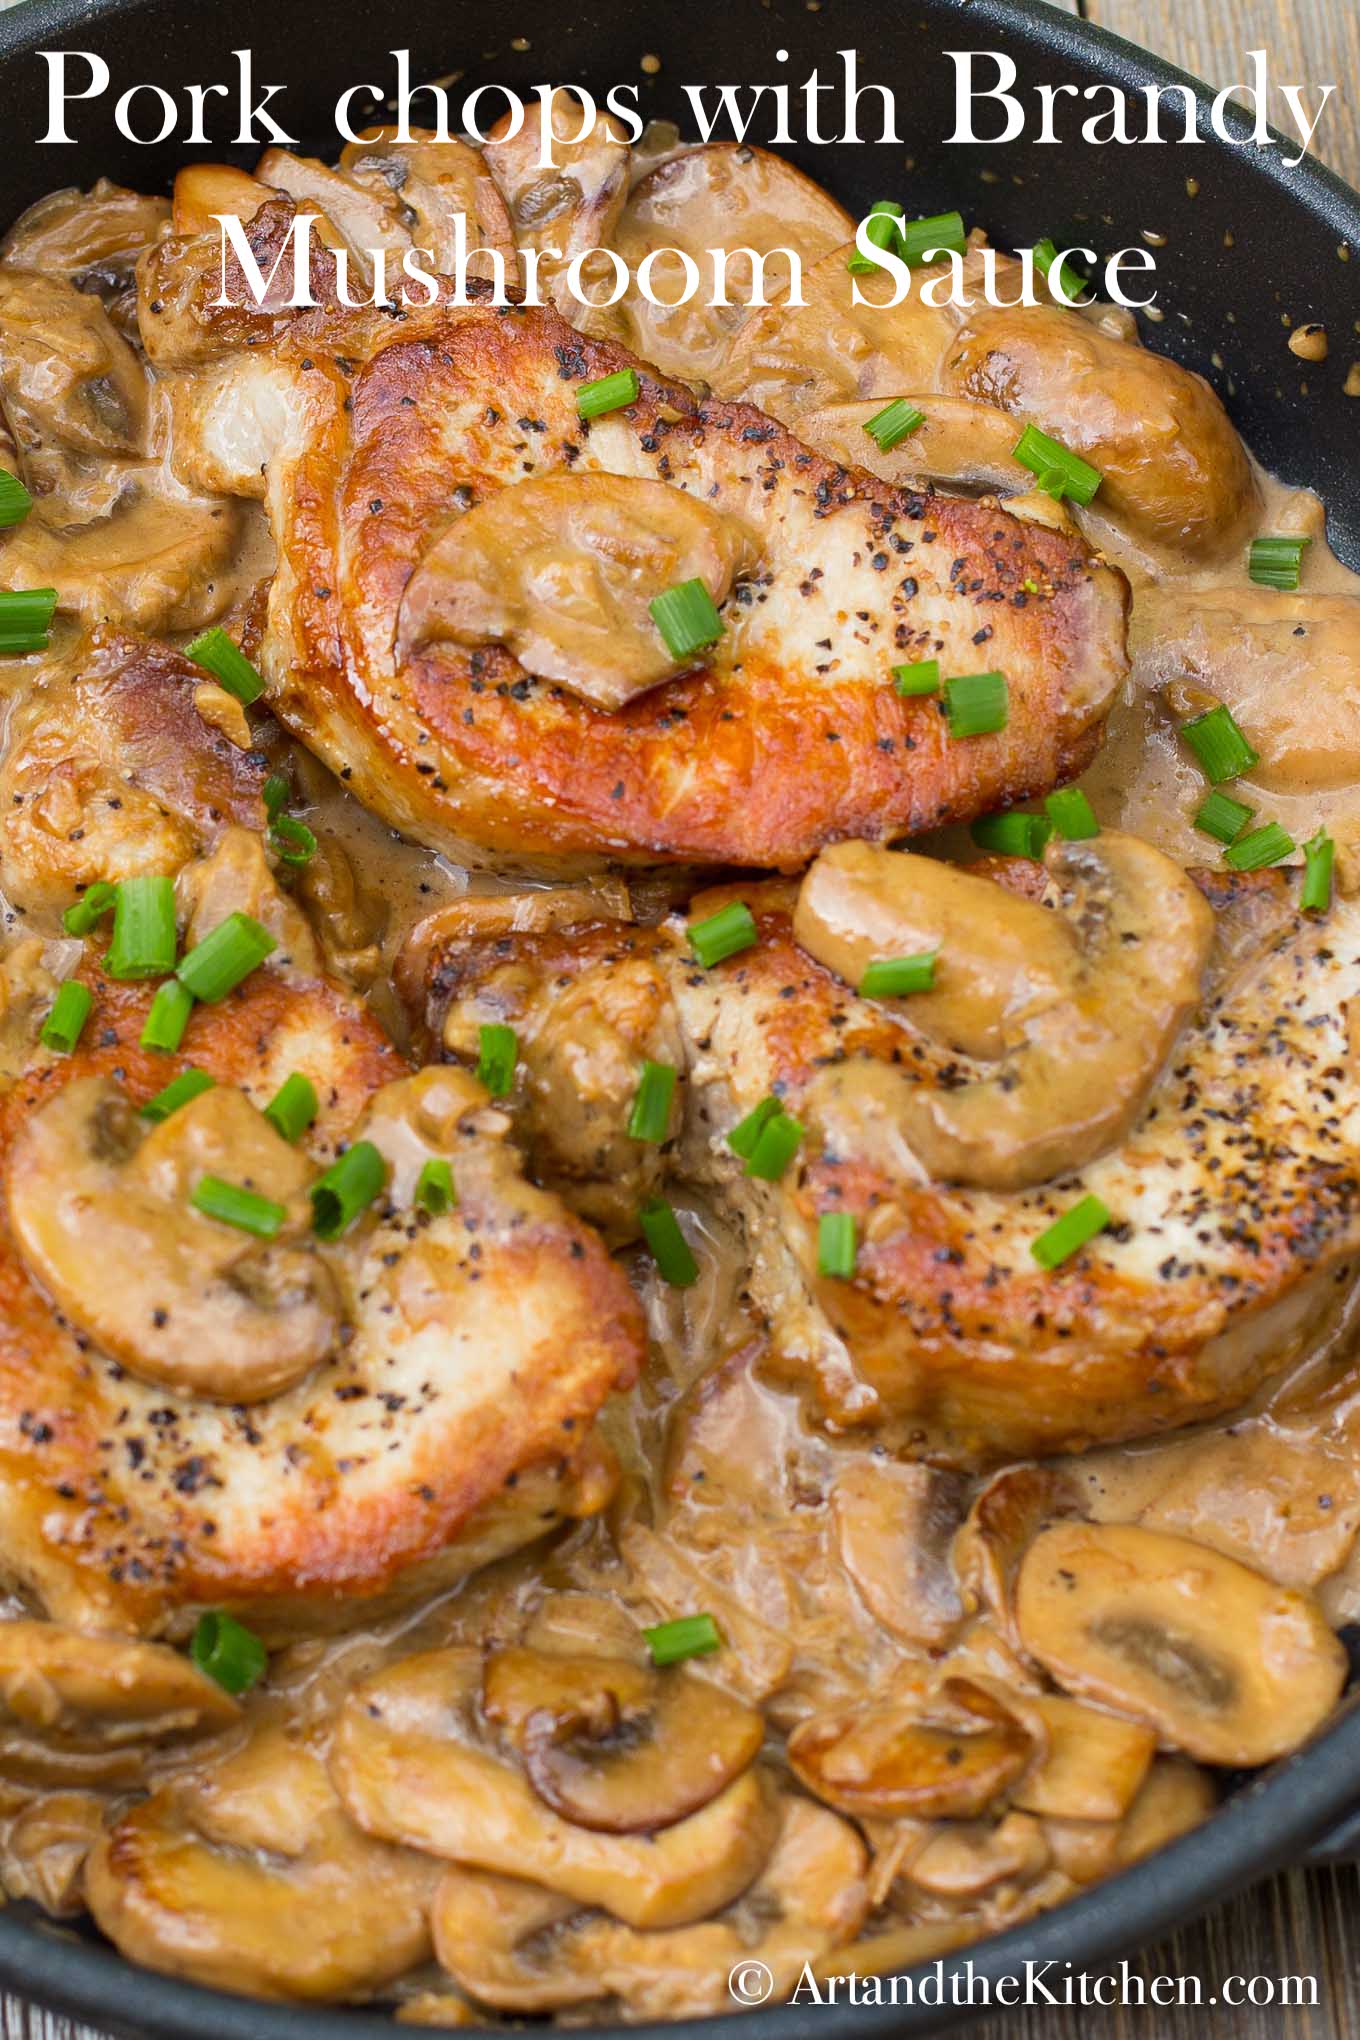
<point>938,234</point>
<point>26,618</point>
<point>1275,562</point>
<point>1012,835</point>
<point>976,704</point>
<point>293,1106</point>
<point>234,1205</point>
<point>217,964</point>
<point>776,1147</point>
<point>607,393</point>
<point>686,618</point>
<point>1266,845</point>
<point>497,1054</point>
<point>348,1187</point>
<point>669,1248</point>
<point>62,1028</point>
<point>1070,1233</point>
<point>897,977</point>
<point>687,1636</point>
<point>894,423</point>
<point>883,226</point>
<point>292,839</point>
<point>1060,472</point>
<point>723,934</point>
<point>143,942</point>
<point>435,1193</point>
<point>169,1016</point>
<point>15,501</point>
<point>1222,750</point>
<point>228,1652</point>
<point>745,1135</point>
<point>215,652</point>
<point>1222,817</point>
<point>1068,278</point>
<point>181,1090</point>
<point>277,794</point>
<point>1072,815</point>
<point>1315,895</point>
<point>836,1244</point>
<point>921,678</point>
<point>89,910</point>
<point>651,1112</point>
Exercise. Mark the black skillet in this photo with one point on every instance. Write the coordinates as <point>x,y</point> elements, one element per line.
<point>1253,242</point>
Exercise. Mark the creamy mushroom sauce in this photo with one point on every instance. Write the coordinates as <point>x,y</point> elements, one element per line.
<point>841,1580</point>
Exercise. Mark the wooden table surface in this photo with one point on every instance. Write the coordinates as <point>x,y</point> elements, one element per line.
<point>1305,1923</point>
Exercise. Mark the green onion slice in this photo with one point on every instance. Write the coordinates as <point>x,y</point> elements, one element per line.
<point>293,1106</point>
<point>669,1248</point>
<point>687,618</point>
<point>62,1028</point>
<point>651,1112</point>
<point>745,1135</point>
<point>836,1247</point>
<point>217,964</point>
<point>497,1054</point>
<point>775,1147</point>
<point>1070,1233</point>
<point>1067,276</point>
<point>169,1016</point>
<point>89,910</point>
<point>234,1205</point>
<point>189,1084</point>
<point>216,653</point>
<point>976,704</point>
<point>687,1636</point>
<point>1222,817</point>
<point>894,423</point>
<point>1060,472</point>
<point>228,1652</point>
<point>435,1192</point>
<point>882,230</point>
<point>292,839</point>
<point>723,934</point>
<point>15,501</point>
<point>925,240</point>
<point>143,942</point>
<point>1012,835</point>
<point>348,1187</point>
<point>922,677</point>
<point>26,618</point>
<point>276,794</point>
<point>1072,815</point>
<point>1266,845</point>
<point>1275,562</point>
<point>1319,852</point>
<point>897,977</point>
<point>607,393</point>
<point>1219,745</point>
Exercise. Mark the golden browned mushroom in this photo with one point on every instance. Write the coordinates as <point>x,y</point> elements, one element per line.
<point>250,1877</point>
<point>99,1203</point>
<point>92,239</point>
<point>615,1746</point>
<point>965,1859</point>
<point>1224,1664</point>
<point>894,1522</point>
<point>426,182</point>
<point>1176,1797</point>
<point>937,1755</point>
<point>366,222</point>
<point>1093,1764</point>
<point>495,1937</point>
<point>968,446</point>
<point>45,1847</point>
<point>235,878</point>
<point>409,1766</point>
<point>205,193</point>
<point>1005,1518</point>
<point>1076,1031</point>
<point>566,211</point>
<point>562,572</point>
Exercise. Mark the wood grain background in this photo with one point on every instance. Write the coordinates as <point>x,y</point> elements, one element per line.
<point>1305,1923</point>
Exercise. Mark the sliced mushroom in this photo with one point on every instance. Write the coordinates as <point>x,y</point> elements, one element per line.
<point>894,1522</point>
<point>1093,1764</point>
<point>365,222</point>
<point>497,1938</point>
<point>250,1877</point>
<point>1077,1032</point>
<point>408,1765</point>
<point>104,1692</point>
<point>205,193</point>
<point>614,1746</point>
<point>1224,1664</point>
<point>45,1849</point>
<point>965,445</point>
<point>427,183</point>
<point>92,239</point>
<point>967,1858</point>
<point>1005,1518</point>
<point>941,1755</point>
<point>99,1204</point>
<point>566,211</point>
<point>1175,1798</point>
<point>562,572</point>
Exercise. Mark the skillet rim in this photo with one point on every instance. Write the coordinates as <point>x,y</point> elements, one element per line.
<point>1262,1827</point>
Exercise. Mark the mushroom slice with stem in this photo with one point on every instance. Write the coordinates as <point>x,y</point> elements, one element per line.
<point>563,571</point>
<point>408,1764</point>
<point>565,209</point>
<point>614,1746</point>
<point>368,225</point>
<point>944,1754</point>
<point>1221,1662</point>
<point>1006,1516</point>
<point>894,1521</point>
<point>428,183</point>
<point>498,1939</point>
<point>92,239</point>
<point>250,1877</point>
<point>44,1850</point>
<point>100,1207</point>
